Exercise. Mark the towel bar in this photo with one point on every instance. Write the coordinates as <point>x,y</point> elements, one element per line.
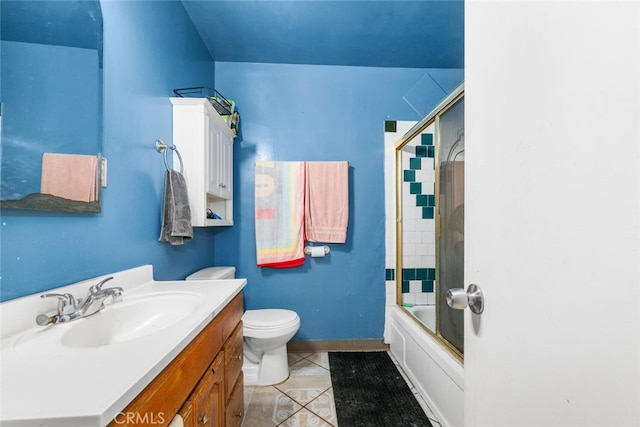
<point>162,146</point>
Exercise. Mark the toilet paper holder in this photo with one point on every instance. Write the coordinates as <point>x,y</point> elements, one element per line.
<point>308,249</point>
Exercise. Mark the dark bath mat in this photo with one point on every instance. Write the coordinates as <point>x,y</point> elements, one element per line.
<point>369,391</point>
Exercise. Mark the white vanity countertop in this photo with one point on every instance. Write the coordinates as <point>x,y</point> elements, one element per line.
<point>45,383</point>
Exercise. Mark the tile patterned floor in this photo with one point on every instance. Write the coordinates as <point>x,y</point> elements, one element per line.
<point>304,399</point>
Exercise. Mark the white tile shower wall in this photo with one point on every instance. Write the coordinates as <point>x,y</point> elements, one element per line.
<point>418,228</point>
<point>418,231</point>
<point>390,140</point>
<point>391,137</point>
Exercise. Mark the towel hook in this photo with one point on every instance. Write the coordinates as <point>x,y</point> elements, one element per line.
<point>162,146</point>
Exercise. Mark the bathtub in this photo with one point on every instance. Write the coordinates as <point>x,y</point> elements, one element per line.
<point>436,374</point>
<point>426,314</point>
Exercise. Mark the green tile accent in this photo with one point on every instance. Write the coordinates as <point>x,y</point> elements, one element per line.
<point>422,273</point>
<point>431,151</point>
<point>405,286</point>
<point>409,176</point>
<point>408,274</point>
<point>390,126</point>
<point>427,286</point>
<point>415,188</point>
<point>422,200</point>
<point>431,274</point>
<point>431,200</point>
<point>422,151</point>
<point>415,163</point>
<point>426,139</point>
<point>427,213</point>
<point>390,274</point>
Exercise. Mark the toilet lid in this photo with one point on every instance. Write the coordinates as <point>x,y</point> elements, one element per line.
<point>268,318</point>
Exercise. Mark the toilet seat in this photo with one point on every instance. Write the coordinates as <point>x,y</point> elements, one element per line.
<point>266,319</point>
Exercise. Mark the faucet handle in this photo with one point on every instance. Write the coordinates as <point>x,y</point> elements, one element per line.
<point>116,293</point>
<point>66,302</point>
<point>98,287</point>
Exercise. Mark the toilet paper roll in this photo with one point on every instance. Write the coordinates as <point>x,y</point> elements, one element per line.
<point>317,251</point>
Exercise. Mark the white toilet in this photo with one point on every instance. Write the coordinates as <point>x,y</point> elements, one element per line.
<point>266,333</point>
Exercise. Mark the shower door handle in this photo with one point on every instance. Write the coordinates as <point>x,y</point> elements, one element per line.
<point>460,299</point>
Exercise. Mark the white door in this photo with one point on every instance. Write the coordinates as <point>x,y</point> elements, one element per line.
<point>552,213</point>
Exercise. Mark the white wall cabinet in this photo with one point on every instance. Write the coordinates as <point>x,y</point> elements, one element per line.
<point>205,143</point>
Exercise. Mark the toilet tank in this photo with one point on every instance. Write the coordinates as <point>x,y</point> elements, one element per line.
<point>213,273</point>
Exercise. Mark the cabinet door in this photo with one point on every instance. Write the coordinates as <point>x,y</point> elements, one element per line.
<point>234,412</point>
<point>213,161</point>
<point>232,359</point>
<point>220,163</point>
<point>225,166</point>
<point>188,415</point>
<point>209,396</point>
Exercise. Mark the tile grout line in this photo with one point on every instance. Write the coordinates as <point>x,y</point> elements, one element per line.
<point>309,410</point>
<point>325,393</point>
<point>317,415</point>
<point>307,358</point>
<point>305,406</point>
<point>334,405</point>
<point>300,403</point>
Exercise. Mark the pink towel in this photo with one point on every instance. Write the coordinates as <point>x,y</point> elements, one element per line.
<point>327,201</point>
<point>70,176</point>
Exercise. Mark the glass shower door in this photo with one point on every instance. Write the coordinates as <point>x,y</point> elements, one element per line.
<point>430,220</point>
<point>450,220</point>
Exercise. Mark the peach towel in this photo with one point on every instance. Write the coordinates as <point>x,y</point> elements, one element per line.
<point>70,176</point>
<point>327,201</point>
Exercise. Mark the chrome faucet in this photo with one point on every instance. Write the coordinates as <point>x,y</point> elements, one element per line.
<point>70,309</point>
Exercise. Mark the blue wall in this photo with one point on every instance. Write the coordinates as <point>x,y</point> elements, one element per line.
<point>289,112</point>
<point>301,112</point>
<point>150,48</point>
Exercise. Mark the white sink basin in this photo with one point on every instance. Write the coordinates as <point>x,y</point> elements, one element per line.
<point>134,317</point>
<point>118,351</point>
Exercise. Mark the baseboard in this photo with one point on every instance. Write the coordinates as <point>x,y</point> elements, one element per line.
<point>337,345</point>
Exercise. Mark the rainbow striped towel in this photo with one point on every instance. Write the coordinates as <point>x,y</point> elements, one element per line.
<point>279,195</point>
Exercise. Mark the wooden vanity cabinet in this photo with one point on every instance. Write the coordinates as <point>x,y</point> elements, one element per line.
<point>201,383</point>
<point>233,379</point>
